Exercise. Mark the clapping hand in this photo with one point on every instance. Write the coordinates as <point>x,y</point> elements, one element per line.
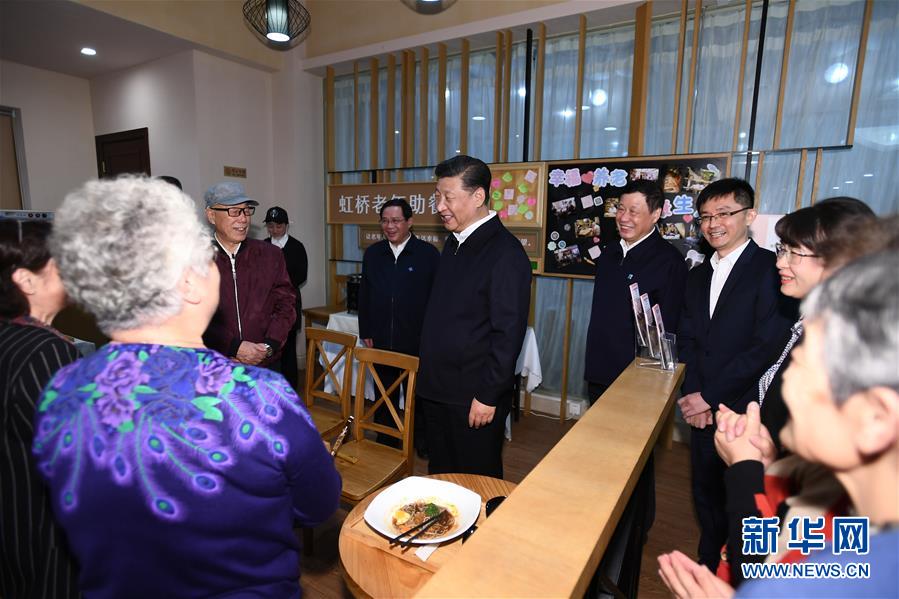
<point>743,436</point>
<point>688,580</point>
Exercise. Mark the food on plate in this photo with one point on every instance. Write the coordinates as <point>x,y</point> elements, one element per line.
<point>417,512</point>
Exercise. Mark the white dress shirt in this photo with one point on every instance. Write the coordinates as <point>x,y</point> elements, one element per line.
<point>626,247</point>
<point>722,267</point>
<point>280,241</point>
<point>398,249</point>
<point>467,231</point>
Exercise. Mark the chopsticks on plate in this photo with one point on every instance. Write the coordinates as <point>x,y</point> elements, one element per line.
<point>418,529</point>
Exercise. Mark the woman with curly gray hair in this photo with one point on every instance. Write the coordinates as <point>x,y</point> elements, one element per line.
<point>199,464</point>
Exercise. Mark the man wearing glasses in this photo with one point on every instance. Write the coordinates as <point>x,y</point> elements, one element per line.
<point>397,274</point>
<point>733,313</point>
<point>257,303</point>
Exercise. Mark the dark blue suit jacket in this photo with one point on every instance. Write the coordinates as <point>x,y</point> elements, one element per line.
<point>476,318</point>
<point>726,354</point>
<point>394,294</point>
<point>661,272</point>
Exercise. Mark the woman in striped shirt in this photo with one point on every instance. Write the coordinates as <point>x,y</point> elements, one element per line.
<point>34,558</point>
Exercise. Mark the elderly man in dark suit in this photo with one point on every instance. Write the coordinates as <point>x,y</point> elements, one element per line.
<point>733,315</point>
<point>474,326</point>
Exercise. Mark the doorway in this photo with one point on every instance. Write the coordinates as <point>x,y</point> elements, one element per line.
<point>123,152</point>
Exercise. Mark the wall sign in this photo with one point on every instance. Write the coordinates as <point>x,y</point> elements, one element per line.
<point>236,171</point>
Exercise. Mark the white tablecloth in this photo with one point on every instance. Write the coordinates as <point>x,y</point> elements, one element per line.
<point>528,364</point>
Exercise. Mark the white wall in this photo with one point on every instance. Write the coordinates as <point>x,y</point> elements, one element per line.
<point>299,165</point>
<point>234,127</point>
<point>158,95</point>
<point>58,130</point>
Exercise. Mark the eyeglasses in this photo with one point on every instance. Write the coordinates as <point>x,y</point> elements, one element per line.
<point>392,221</point>
<point>793,257</point>
<point>235,212</point>
<point>711,218</point>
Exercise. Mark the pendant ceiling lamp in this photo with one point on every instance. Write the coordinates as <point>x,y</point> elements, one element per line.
<point>428,7</point>
<point>279,21</point>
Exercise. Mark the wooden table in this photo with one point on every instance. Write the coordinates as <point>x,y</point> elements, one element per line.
<point>571,501</point>
<point>372,569</point>
<point>320,314</point>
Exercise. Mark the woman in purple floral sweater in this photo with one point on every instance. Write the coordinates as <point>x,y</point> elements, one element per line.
<point>175,471</point>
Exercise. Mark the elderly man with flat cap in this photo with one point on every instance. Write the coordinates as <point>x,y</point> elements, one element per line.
<point>257,302</point>
<point>277,222</point>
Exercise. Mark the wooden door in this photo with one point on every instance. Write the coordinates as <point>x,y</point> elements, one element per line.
<point>123,152</point>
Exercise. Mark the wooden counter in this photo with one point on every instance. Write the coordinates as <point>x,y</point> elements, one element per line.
<point>547,538</point>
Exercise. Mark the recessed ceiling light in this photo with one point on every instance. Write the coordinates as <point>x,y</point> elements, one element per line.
<point>567,113</point>
<point>88,51</point>
<point>610,128</point>
<point>849,182</point>
<point>522,92</point>
<point>868,175</point>
<point>396,132</point>
<point>599,97</point>
<point>585,108</point>
<point>742,134</point>
<point>836,186</point>
<point>479,118</point>
<point>446,93</point>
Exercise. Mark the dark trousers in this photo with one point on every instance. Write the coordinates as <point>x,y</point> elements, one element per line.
<point>707,478</point>
<point>620,564</point>
<point>594,390</point>
<point>289,360</point>
<point>453,446</point>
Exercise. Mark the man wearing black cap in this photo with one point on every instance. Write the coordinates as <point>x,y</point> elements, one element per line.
<point>256,308</point>
<point>276,221</point>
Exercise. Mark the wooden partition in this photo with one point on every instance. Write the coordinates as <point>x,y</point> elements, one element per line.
<point>547,538</point>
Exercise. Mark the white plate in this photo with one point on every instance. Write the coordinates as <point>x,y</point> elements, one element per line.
<point>379,512</point>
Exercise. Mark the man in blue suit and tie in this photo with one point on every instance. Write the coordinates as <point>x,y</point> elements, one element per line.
<point>733,312</point>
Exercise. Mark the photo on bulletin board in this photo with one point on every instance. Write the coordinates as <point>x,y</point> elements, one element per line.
<point>582,201</point>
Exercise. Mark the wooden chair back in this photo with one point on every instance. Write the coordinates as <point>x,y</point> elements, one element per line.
<point>315,355</point>
<point>365,412</point>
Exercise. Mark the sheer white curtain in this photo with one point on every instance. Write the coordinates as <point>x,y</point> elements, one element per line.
<point>605,106</point>
<point>364,111</point>
<point>717,71</point>
<point>344,133</point>
<point>549,326</point>
<point>780,172</point>
<point>868,170</point>
<point>662,86</point>
<point>452,93</point>
<point>559,91</point>
<point>481,85</point>
<point>383,134</point>
<point>769,81</point>
<point>434,92</point>
<point>822,64</point>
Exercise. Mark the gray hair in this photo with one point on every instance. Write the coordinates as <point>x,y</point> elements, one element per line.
<point>122,246</point>
<point>859,306</point>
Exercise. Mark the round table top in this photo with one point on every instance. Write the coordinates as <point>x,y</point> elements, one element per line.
<point>370,571</point>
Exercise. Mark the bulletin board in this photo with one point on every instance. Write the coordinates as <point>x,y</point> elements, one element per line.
<point>516,193</point>
<point>582,200</point>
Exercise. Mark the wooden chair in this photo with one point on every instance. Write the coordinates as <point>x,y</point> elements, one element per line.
<point>328,421</point>
<point>365,465</point>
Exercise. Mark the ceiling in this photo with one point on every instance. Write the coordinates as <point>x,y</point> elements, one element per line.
<point>49,34</point>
